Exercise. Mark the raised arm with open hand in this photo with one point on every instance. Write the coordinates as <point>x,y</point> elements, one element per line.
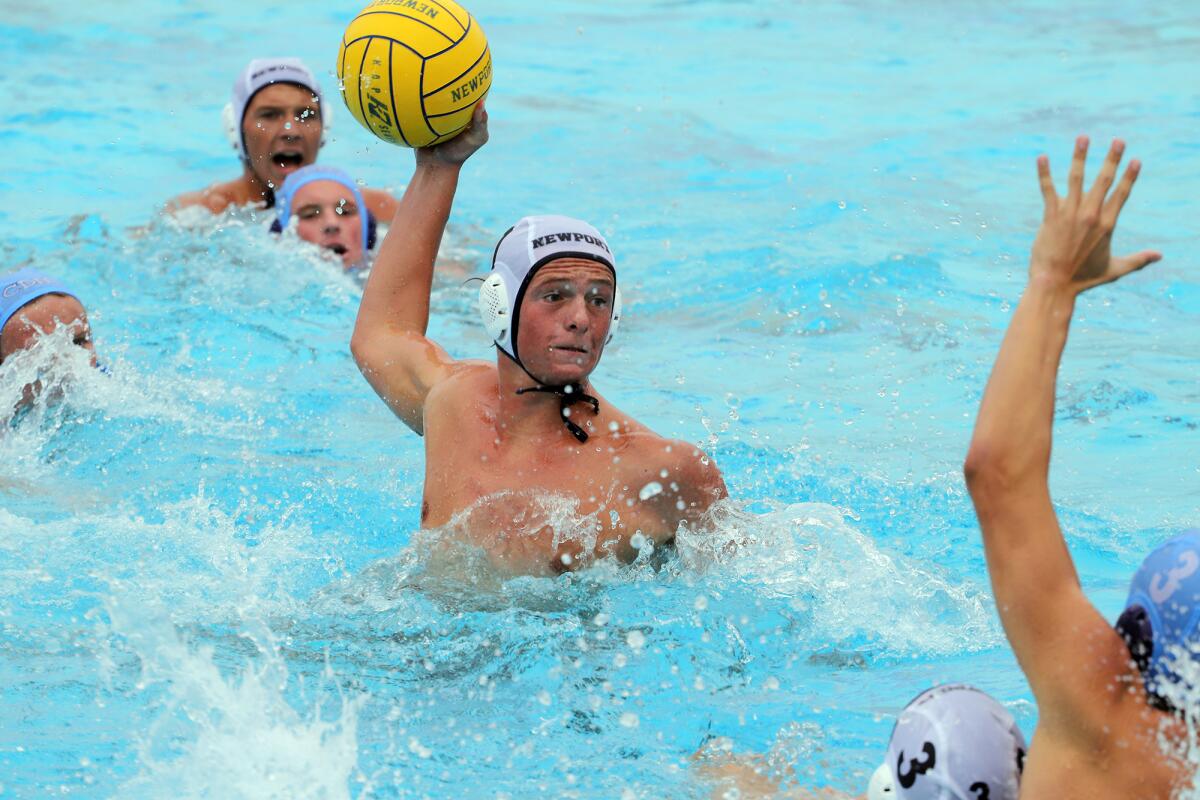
<point>1067,650</point>
<point>389,341</point>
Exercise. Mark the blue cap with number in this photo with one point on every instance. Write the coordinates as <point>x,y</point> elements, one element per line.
<point>1162,613</point>
<point>954,742</point>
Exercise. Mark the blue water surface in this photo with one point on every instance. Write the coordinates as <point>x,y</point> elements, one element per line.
<point>212,582</point>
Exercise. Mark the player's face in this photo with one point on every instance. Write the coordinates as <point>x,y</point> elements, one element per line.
<point>327,215</point>
<point>565,317</point>
<point>282,129</point>
<point>43,316</point>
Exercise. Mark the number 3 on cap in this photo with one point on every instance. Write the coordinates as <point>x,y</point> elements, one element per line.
<point>915,767</point>
<point>1189,562</point>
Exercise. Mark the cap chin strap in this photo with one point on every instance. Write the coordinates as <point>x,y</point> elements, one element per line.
<point>568,394</point>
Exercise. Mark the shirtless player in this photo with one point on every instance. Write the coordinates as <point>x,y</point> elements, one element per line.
<point>277,123</point>
<point>1111,702</point>
<point>531,424</point>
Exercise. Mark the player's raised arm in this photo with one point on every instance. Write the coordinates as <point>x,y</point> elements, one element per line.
<point>1061,641</point>
<point>389,341</point>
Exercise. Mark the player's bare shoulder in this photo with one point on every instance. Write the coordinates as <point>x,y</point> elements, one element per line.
<point>677,476</point>
<point>468,383</point>
<point>216,198</point>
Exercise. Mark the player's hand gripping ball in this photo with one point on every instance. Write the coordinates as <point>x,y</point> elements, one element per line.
<point>412,71</point>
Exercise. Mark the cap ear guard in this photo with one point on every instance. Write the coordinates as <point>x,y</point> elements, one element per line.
<point>326,112</point>
<point>493,307</point>
<point>616,316</point>
<point>231,128</point>
<point>1136,629</point>
<point>372,231</point>
<point>881,787</point>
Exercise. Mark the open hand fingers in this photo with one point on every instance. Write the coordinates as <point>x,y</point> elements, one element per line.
<point>1075,177</point>
<point>1108,171</point>
<point>1120,267</point>
<point>1112,208</point>
<point>1047,183</point>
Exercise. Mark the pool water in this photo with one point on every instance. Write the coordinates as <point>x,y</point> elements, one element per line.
<point>212,582</point>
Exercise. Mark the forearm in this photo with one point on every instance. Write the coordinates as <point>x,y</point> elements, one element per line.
<point>396,297</point>
<point>1011,444</point>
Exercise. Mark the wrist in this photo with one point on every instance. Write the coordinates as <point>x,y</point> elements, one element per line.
<point>1052,294</point>
<point>436,173</point>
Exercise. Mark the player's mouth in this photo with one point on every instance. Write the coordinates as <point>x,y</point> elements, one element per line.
<point>287,160</point>
<point>338,248</point>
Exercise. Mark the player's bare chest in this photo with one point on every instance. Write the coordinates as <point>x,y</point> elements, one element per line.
<point>606,477</point>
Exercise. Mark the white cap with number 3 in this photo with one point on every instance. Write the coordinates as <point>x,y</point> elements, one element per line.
<point>954,742</point>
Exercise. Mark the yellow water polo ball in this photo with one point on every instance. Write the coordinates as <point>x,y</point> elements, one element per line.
<point>411,71</point>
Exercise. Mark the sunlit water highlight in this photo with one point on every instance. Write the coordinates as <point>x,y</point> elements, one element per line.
<point>210,583</point>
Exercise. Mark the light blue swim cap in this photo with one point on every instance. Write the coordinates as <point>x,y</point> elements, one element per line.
<point>19,289</point>
<point>316,172</point>
<point>954,742</point>
<point>1163,611</point>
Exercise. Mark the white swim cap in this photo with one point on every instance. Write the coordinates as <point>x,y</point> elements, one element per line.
<point>259,74</point>
<point>954,742</point>
<point>522,250</point>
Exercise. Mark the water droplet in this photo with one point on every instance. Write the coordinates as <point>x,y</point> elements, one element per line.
<point>701,603</point>
<point>651,489</point>
<point>600,620</point>
<point>619,660</point>
<point>635,639</point>
<point>629,720</point>
<point>543,697</point>
<point>771,684</point>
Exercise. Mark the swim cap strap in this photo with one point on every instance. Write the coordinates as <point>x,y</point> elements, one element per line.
<point>568,395</point>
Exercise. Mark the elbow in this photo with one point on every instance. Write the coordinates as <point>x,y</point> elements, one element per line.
<point>976,466</point>
<point>360,348</point>
<point>989,473</point>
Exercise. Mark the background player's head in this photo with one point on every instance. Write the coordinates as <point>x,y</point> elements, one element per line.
<point>276,118</point>
<point>952,742</point>
<point>33,304</point>
<point>1161,618</point>
<point>329,211</point>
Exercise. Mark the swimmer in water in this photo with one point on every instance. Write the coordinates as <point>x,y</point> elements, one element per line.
<point>1111,723</point>
<point>952,742</point>
<point>329,212</point>
<point>277,122</point>
<point>529,424</point>
<point>32,305</point>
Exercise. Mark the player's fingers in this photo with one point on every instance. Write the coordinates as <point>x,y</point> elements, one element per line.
<point>1075,177</point>
<point>1112,208</point>
<point>1108,171</point>
<point>1135,261</point>
<point>1046,182</point>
